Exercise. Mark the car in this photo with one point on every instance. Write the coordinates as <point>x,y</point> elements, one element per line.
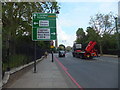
<point>62,53</point>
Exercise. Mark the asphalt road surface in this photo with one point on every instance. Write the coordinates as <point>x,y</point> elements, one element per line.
<point>100,72</point>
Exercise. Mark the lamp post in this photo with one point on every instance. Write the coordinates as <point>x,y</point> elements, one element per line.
<point>56,41</point>
<point>118,40</point>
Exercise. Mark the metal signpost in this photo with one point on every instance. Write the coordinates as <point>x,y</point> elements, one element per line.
<point>52,46</point>
<point>43,28</point>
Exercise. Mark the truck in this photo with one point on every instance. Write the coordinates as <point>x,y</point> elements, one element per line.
<point>88,53</point>
<point>61,50</point>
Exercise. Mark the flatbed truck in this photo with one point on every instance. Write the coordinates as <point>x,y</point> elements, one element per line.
<point>88,53</point>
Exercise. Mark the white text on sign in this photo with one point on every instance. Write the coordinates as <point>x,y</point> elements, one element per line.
<point>44,23</point>
<point>43,33</point>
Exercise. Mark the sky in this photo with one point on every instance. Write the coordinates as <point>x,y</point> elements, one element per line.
<point>76,14</point>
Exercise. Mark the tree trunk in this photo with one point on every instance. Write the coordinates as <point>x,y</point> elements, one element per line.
<point>12,42</point>
<point>101,52</point>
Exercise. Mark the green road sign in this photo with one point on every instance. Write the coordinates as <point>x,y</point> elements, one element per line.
<point>44,26</point>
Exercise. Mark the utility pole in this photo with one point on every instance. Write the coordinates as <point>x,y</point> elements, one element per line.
<point>56,41</point>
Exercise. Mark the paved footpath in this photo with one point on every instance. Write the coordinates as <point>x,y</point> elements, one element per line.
<point>49,75</point>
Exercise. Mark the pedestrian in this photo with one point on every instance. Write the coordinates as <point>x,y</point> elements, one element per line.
<point>46,53</point>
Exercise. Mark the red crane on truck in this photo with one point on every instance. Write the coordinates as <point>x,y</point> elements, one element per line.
<point>88,53</point>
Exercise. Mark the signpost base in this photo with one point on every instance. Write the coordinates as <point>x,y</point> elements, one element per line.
<point>52,57</point>
<point>35,58</point>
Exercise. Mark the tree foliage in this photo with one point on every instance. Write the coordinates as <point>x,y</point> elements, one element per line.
<point>17,24</point>
<point>92,35</point>
<point>17,17</point>
<point>103,23</point>
<point>102,30</point>
<point>80,35</point>
<point>68,48</point>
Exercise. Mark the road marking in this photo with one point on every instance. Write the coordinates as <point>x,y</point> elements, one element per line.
<point>65,69</point>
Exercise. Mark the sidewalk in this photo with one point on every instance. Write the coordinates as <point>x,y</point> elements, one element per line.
<point>107,55</point>
<point>114,56</point>
<point>49,75</point>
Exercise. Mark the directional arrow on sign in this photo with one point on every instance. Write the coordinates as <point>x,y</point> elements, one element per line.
<point>34,15</point>
<point>35,23</point>
<point>53,33</point>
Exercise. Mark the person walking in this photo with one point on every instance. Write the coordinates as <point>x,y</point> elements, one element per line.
<point>46,53</point>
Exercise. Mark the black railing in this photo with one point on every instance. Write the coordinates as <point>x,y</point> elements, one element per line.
<point>23,55</point>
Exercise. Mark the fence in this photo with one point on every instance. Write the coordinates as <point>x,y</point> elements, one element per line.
<point>25,53</point>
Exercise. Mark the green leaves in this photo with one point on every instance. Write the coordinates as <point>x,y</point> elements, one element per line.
<point>92,35</point>
<point>80,35</point>
<point>17,22</point>
<point>102,23</point>
<point>18,15</point>
<point>101,30</point>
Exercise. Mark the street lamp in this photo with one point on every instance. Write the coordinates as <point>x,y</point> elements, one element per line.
<point>118,40</point>
<point>56,41</point>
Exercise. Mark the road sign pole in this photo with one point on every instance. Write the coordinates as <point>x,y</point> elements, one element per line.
<point>52,56</point>
<point>35,57</point>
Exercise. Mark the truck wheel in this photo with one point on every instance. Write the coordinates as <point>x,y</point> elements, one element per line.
<point>88,56</point>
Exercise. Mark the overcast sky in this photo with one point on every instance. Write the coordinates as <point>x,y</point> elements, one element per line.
<point>74,15</point>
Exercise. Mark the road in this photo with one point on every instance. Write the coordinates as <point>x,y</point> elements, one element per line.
<point>101,72</point>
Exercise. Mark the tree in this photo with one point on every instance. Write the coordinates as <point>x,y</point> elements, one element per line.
<point>61,47</point>
<point>102,24</point>
<point>80,35</point>
<point>17,17</point>
<point>109,42</point>
<point>17,21</point>
<point>92,35</point>
<point>50,7</point>
<point>68,48</point>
